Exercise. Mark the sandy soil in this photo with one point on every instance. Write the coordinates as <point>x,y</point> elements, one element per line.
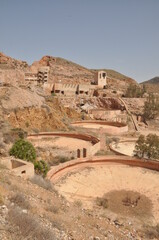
<point>91,125</point>
<point>89,183</point>
<point>125,148</point>
<point>61,142</point>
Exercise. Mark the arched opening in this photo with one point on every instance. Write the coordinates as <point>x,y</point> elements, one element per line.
<point>78,153</point>
<point>84,152</point>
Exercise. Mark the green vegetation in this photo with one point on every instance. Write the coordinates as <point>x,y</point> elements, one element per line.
<point>53,94</point>
<point>41,168</point>
<point>24,150</point>
<point>151,107</point>
<point>134,91</point>
<point>147,146</point>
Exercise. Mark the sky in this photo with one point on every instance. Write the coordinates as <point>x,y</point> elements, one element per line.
<point>116,34</point>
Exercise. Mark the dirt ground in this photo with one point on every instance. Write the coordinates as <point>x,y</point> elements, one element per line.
<point>125,148</point>
<point>61,142</point>
<point>91,125</point>
<point>89,183</point>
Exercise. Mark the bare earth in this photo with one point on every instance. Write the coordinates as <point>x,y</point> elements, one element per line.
<point>91,125</point>
<point>89,183</point>
<point>62,142</point>
<point>125,148</point>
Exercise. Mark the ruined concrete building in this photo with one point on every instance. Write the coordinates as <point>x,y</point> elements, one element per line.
<point>39,78</point>
<point>101,79</point>
<point>80,89</point>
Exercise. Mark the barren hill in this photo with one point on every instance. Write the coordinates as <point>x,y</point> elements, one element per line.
<point>70,72</point>
<point>7,62</point>
<point>154,80</point>
<point>152,85</point>
<point>60,70</point>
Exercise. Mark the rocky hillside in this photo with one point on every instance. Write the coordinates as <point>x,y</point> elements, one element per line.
<point>12,70</point>
<point>152,85</point>
<point>60,70</point>
<point>35,210</point>
<point>32,110</point>
<point>154,80</point>
<point>7,62</point>
<point>67,71</point>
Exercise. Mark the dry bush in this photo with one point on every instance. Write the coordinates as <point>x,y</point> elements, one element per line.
<point>152,232</point>
<point>44,183</point>
<point>29,226</point>
<point>102,202</point>
<point>52,208</point>
<point>78,203</point>
<point>1,200</point>
<point>59,159</point>
<point>20,200</point>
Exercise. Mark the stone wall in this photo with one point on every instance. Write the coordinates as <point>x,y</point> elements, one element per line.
<point>115,128</point>
<point>57,172</point>
<point>18,167</point>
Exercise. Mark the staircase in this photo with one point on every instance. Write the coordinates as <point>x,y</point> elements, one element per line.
<point>129,113</point>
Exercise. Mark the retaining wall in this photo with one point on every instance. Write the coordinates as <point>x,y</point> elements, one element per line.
<point>115,128</point>
<point>89,151</point>
<point>85,137</point>
<point>18,167</point>
<point>57,172</point>
<point>117,151</point>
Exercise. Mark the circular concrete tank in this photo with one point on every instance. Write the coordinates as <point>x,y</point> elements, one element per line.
<point>113,128</point>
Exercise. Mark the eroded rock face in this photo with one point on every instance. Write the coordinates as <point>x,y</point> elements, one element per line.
<point>7,62</point>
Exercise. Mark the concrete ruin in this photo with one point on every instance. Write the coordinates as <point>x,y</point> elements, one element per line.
<point>38,78</point>
<point>101,79</point>
<point>68,89</point>
<point>18,167</point>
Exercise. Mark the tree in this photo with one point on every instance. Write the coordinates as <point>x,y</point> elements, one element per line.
<point>140,147</point>
<point>134,91</point>
<point>24,150</point>
<point>41,168</point>
<point>147,147</point>
<point>152,142</point>
<point>151,107</point>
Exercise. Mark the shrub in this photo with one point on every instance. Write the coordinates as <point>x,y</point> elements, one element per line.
<point>20,200</point>
<point>152,232</point>
<point>134,91</point>
<point>29,226</point>
<point>52,208</point>
<point>147,146</point>
<point>41,168</point>
<point>151,107</point>
<point>41,182</point>
<point>24,150</point>
<point>78,203</point>
<point>102,202</point>
<point>1,200</point>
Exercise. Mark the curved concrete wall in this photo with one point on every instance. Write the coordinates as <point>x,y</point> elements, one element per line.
<point>19,167</point>
<point>85,137</point>
<point>57,172</point>
<point>114,127</point>
<point>95,147</point>
<point>117,151</point>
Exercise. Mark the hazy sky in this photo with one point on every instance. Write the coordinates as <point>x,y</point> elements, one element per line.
<point>118,34</point>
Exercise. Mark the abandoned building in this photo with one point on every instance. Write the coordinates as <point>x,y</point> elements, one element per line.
<point>43,75</point>
<point>68,89</point>
<point>37,78</point>
<point>31,78</point>
<point>100,79</point>
<point>41,78</point>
